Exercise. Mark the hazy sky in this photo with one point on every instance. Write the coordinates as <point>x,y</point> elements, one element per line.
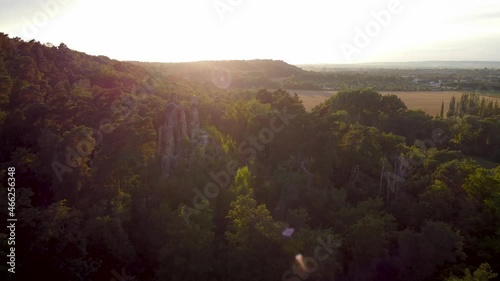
<point>296,31</point>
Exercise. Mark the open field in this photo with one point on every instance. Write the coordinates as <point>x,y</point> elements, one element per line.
<point>429,101</point>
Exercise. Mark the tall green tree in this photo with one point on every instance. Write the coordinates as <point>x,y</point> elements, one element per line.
<point>252,235</point>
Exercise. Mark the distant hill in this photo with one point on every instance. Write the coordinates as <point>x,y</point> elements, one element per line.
<point>236,73</point>
<point>407,65</point>
<point>270,68</point>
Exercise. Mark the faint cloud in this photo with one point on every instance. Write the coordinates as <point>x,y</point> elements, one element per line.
<point>478,17</point>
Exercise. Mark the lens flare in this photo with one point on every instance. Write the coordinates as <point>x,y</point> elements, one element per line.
<point>300,260</point>
<point>221,78</point>
<point>288,232</point>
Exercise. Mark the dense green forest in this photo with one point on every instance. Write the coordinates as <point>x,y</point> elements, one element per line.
<point>123,173</point>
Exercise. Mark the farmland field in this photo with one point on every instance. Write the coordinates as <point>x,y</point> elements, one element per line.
<point>429,101</point>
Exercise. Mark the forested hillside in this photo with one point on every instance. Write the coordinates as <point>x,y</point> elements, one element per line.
<point>224,74</point>
<point>123,174</point>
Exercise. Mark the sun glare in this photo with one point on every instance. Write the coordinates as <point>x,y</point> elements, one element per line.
<point>322,32</point>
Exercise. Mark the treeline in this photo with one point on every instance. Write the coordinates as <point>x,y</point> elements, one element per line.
<point>472,104</point>
<point>278,74</point>
<point>361,188</point>
<point>475,125</point>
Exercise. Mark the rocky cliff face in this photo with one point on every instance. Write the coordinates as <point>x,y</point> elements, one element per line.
<point>195,122</point>
<point>174,139</point>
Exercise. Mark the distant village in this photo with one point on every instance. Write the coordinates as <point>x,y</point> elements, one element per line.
<point>492,79</point>
<point>486,79</point>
